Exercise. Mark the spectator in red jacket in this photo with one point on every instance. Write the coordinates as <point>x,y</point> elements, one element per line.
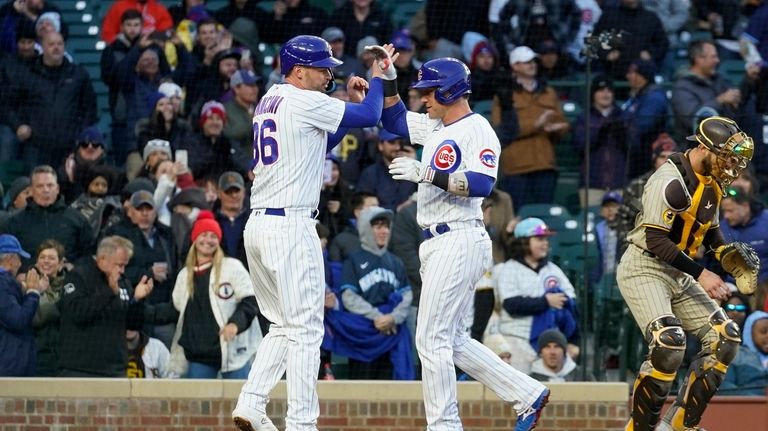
<point>155,17</point>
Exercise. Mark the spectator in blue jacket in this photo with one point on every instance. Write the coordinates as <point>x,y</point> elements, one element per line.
<point>18,304</point>
<point>748,373</point>
<point>647,110</point>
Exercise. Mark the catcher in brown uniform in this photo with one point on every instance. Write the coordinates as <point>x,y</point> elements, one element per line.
<point>668,292</point>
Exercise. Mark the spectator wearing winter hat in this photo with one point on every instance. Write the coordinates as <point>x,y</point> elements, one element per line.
<point>607,142</point>
<point>163,122</point>
<point>89,151</point>
<point>647,111</point>
<point>485,71</point>
<point>210,152</point>
<point>155,152</point>
<point>239,112</point>
<point>97,203</point>
<point>172,91</point>
<point>12,13</point>
<point>217,331</point>
<point>552,63</point>
<point>554,364</point>
<point>16,198</point>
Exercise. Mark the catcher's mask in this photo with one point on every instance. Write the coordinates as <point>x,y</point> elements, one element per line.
<point>733,148</point>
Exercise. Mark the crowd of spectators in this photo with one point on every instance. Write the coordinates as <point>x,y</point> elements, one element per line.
<point>116,219</point>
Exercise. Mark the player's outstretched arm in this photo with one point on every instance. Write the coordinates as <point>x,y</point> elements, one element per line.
<point>461,183</point>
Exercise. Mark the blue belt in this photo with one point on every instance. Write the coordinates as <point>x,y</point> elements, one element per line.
<point>440,229</point>
<point>281,212</point>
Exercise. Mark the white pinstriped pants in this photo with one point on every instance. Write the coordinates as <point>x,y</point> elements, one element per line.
<point>286,266</point>
<point>451,264</point>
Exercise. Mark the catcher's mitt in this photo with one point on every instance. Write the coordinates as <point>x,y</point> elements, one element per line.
<point>741,261</point>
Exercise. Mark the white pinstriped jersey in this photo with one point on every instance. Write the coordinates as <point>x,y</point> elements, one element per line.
<point>291,129</point>
<point>469,144</point>
<point>512,278</point>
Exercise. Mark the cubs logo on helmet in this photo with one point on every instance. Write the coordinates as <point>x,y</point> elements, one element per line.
<point>449,77</point>
<point>488,158</point>
<point>447,157</point>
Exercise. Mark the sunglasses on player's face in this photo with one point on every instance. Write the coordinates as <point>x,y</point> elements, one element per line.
<point>735,307</point>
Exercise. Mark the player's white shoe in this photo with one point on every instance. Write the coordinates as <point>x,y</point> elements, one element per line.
<point>250,420</point>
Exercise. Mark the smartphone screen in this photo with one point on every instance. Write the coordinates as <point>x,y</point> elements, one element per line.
<point>327,171</point>
<point>181,157</point>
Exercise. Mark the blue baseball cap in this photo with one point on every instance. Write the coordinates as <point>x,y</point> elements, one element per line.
<point>402,41</point>
<point>9,244</point>
<point>532,226</point>
<point>612,196</point>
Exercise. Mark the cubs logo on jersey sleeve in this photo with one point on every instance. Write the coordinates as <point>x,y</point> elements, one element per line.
<point>225,291</point>
<point>488,158</point>
<point>447,157</point>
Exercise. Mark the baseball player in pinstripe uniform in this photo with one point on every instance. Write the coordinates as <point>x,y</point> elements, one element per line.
<point>667,291</point>
<point>457,170</point>
<point>294,125</point>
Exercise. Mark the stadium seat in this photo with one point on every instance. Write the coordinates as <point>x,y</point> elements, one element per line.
<point>483,107</point>
<point>543,211</point>
<point>404,11</point>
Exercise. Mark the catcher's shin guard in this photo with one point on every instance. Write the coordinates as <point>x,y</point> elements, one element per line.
<point>666,351</point>
<point>706,374</point>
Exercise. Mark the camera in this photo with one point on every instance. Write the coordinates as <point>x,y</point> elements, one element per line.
<point>605,41</point>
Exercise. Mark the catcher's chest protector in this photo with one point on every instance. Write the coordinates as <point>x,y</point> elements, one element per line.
<point>690,226</point>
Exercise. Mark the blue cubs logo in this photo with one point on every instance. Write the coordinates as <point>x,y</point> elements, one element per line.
<point>551,282</point>
<point>447,157</point>
<point>488,158</point>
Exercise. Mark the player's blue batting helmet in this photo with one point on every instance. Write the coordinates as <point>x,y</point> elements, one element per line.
<point>448,76</point>
<point>306,50</point>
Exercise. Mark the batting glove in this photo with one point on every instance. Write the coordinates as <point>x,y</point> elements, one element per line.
<point>385,61</point>
<point>408,169</point>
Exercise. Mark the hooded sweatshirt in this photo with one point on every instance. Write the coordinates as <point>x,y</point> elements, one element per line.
<point>748,373</point>
<point>543,374</point>
<point>372,275</point>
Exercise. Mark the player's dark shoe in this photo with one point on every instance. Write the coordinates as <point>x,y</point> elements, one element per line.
<point>244,421</point>
<point>527,420</point>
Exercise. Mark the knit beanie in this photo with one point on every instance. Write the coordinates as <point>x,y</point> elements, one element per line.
<point>552,336</point>
<point>152,100</point>
<point>206,222</point>
<point>211,108</point>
